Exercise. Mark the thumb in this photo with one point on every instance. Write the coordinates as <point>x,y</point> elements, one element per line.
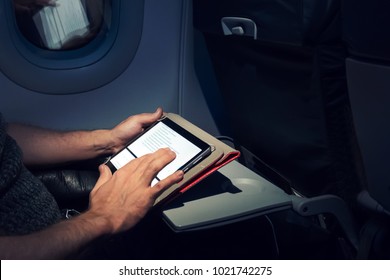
<point>105,175</point>
<point>147,119</point>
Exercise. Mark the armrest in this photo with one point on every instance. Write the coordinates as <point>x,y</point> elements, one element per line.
<point>71,184</point>
<point>70,188</point>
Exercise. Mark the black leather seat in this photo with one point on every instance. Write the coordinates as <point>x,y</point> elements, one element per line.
<point>71,184</point>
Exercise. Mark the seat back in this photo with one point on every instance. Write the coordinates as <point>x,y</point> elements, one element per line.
<point>368,67</point>
<point>367,38</point>
<point>286,91</point>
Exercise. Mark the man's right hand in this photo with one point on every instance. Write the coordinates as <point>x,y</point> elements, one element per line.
<point>123,198</point>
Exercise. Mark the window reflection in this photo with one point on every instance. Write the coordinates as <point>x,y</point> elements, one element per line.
<point>62,24</point>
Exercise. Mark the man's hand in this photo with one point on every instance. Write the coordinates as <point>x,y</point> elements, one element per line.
<point>44,146</point>
<point>123,198</point>
<point>117,203</point>
<point>131,127</point>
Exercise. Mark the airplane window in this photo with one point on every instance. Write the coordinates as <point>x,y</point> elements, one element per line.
<point>62,24</point>
<point>66,46</point>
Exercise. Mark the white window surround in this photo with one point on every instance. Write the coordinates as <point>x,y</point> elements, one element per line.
<point>71,71</point>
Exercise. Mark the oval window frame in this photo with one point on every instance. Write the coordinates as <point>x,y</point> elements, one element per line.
<point>71,71</point>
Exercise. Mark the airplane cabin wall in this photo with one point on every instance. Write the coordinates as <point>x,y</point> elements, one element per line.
<point>160,74</point>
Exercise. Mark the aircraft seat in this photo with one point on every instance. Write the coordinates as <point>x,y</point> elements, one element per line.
<point>368,71</point>
<point>280,68</point>
<point>285,91</point>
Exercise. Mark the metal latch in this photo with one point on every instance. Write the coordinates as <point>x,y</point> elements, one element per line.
<point>239,26</point>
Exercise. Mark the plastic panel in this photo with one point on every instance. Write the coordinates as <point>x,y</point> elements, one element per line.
<point>230,194</point>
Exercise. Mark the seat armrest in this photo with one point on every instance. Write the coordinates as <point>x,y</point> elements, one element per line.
<point>71,184</point>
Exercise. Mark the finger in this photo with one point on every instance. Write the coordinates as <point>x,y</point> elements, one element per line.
<point>156,161</point>
<point>105,175</point>
<point>148,166</point>
<point>166,183</point>
<point>153,161</point>
<point>147,119</point>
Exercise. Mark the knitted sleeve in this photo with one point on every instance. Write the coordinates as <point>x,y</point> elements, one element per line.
<point>25,203</point>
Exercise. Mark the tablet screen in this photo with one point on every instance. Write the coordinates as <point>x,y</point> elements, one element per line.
<point>165,133</point>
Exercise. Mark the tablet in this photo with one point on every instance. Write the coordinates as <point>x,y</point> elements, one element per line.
<point>164,133</point>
